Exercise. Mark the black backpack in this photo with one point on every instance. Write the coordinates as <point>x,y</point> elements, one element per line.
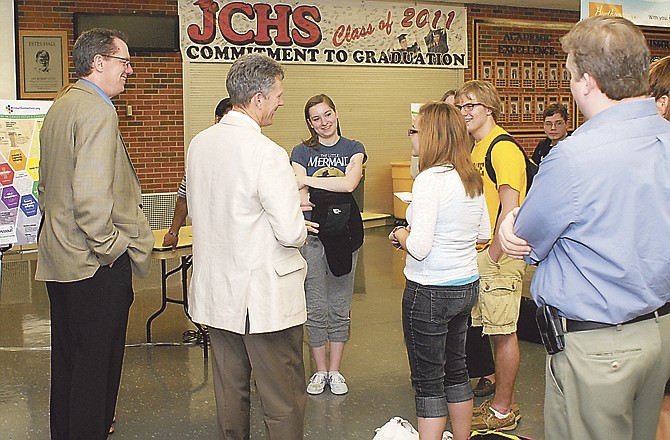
<point>531,167</point>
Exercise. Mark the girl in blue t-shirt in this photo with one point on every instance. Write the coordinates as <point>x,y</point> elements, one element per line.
<point>328,168</point>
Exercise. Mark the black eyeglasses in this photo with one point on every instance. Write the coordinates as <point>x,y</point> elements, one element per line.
<point>412,131</point>
<point>125,61</point>
<point>468,107</point>
<point>557,124</point>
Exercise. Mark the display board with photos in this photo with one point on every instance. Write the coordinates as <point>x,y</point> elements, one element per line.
<point>525,62</point>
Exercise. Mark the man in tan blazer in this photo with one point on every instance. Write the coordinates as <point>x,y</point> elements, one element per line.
<point>248,274</point>
<point>93,236</point>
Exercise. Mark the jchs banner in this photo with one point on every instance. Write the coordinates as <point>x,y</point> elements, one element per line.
<point>369,33</point>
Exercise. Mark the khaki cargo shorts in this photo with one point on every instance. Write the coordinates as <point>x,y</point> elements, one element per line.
<point>500,286</point>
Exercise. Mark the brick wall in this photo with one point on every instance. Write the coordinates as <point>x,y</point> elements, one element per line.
<point>154,133</point>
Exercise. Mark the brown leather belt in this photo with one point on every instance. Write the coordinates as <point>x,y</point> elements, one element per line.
<point>580,326</point>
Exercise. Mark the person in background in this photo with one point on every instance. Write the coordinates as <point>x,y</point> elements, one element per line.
<point>93,237</point>
<point>592,223</point>
<point>436,41</point>
<point>248,274</point>
<point>659,81</point>
<point>405,47</point>
<point>222,108</point>
<point>497,310</point>
<point>556,129</point>
<point>171,237</point>
<point>448,97</point>
<point>447,217</point>
<point>328,168</point>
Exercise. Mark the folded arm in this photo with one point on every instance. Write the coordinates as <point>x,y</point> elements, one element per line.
<point>514,246</point>
<point>346,183</point>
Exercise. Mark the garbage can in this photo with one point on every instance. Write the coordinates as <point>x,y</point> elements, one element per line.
<point>402,182</point>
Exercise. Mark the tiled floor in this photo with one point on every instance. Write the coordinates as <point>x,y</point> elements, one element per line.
<point>167,390</point>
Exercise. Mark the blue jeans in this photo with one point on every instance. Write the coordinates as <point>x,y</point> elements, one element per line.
<point>435,322</point>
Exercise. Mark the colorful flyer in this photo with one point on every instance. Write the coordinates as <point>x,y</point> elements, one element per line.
<point>20,124</point>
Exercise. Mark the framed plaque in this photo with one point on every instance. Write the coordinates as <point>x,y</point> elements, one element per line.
<point>43,63</point>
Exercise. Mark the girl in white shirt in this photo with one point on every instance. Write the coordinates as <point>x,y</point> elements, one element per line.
<point>447,217</point>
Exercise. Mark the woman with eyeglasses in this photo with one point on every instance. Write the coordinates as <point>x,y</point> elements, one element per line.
<point>447,218</point>
<point>328,168</point>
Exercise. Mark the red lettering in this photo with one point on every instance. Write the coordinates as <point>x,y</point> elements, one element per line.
<point>226,20</point>
<point>422,18</point>
<point>265,23</point>
<point>450,20</point>
<point>368,31</point>
<point>305,19</point>
<point>386,25</point>
<point>206,36</point>
<point>301,17</point>
<point>338,36</point>
<point>409,16</point>
<point>438,14</point>
<point>351,34</point>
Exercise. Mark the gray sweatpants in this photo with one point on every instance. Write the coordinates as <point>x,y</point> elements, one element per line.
<point>328,297</point>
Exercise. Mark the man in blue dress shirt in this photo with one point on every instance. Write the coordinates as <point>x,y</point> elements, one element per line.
<point>597,220</point>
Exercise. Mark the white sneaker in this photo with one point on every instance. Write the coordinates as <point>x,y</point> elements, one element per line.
<point>336,383</point>
<point>446,435</point>
<point>317,383</point>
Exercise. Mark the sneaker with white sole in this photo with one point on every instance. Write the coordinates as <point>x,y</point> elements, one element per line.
<point>484,408</point>
<point>488,420</point>
<point>317,383</point>
<point>336,383</point>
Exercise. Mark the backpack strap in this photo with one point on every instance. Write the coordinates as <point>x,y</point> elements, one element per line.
<point>488,165</point>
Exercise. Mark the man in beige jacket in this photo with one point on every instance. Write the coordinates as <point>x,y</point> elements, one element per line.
<point>248,274</point>
<point>93,236</point>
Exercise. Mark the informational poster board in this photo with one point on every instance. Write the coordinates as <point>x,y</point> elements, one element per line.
<point>641,12</point>
<point>20,124</point>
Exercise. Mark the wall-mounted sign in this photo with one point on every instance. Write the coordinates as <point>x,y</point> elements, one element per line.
<point>365,33</point>
<point>640,12</point>
<point>42,63</point>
